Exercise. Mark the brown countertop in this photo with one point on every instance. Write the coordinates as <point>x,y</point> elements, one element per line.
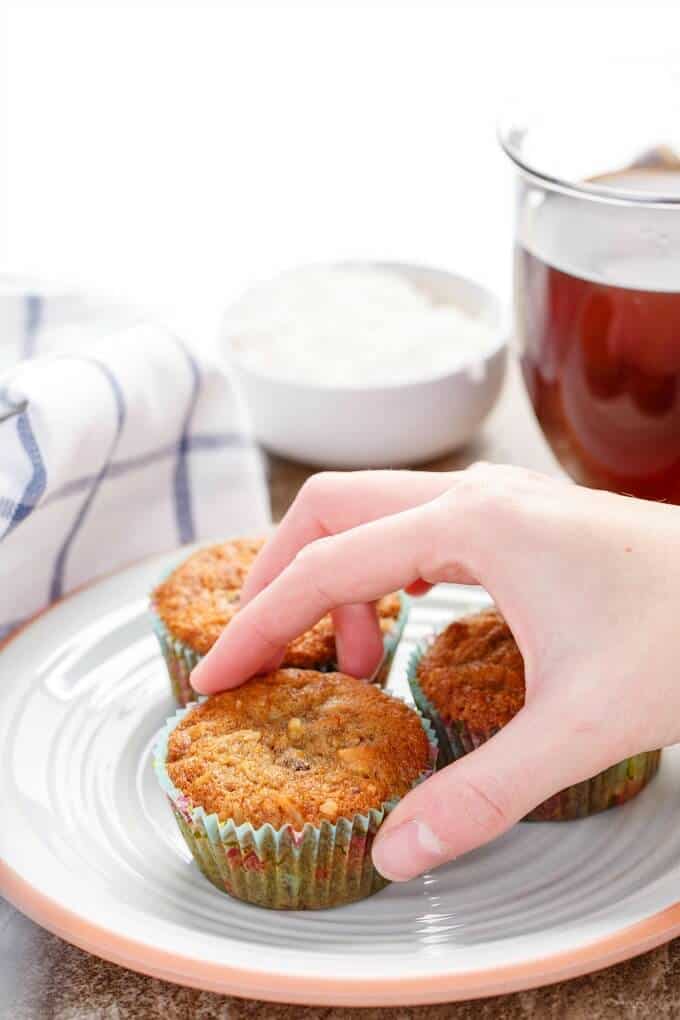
<point>43,978</point>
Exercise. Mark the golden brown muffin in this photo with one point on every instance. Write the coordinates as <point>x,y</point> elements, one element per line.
<point>297,746</point>
<point>470,683</point>
<point>200,597</point>
<point>474,672</point>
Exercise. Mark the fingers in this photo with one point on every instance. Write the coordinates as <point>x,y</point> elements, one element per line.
<point>357,566</point>
<point>446,532</point>
<point>358,639</point>
<point>477,798</point>
<point>331,503</point>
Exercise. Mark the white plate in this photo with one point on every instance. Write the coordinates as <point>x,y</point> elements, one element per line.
<point>90,850</point>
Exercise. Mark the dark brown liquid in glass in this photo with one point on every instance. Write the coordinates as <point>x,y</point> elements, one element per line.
<point>602,367</point>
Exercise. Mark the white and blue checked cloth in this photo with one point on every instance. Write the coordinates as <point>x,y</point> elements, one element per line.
<point>117,450</point>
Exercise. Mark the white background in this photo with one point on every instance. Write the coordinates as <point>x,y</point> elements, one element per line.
<point>172,155</point>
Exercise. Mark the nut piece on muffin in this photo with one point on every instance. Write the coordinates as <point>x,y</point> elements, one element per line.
<point>470,683</point>
<point>280,785</point>
<point>194,604</point>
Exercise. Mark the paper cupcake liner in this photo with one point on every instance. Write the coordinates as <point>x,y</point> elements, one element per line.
<point>607,789</point>
<point>391,641</point>
<point>180,659</point>
<point>322,866</point>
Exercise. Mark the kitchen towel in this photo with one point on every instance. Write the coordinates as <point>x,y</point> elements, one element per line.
<point>121,449</point>
<point>40,316</point>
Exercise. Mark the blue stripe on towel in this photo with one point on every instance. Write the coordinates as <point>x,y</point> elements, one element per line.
<point>57,585</point>
<point>33,313</point>
<point>7,508</point>
<point>38,480</point>
<point>196,444</point>
<point>8,409</point>
<point>183,508</point>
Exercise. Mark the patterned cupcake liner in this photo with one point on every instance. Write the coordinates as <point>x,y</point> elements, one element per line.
<point>180,659</point>
<point>391,641</point>
<point>322,866</point>
<point>607,789</point>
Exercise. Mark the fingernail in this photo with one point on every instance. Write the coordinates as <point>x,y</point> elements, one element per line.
<point>407,851</point>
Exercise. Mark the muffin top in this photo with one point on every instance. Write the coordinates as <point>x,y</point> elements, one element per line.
<point>200,597</point>
<point>297,746</point>
<point>474,672</point>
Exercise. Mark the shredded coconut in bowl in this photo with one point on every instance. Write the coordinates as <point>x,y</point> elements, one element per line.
<point>353,325</point>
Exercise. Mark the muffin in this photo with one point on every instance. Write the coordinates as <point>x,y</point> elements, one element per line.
<point>194,604</point>
<point>279,786</point>
<point>470,683</point>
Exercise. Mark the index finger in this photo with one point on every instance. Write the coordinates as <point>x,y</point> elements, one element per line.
<point>356,566</point>
<point>332,502</point>
<point>327,504</point>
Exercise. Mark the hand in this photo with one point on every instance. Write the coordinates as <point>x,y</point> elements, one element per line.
<point>589,583</point>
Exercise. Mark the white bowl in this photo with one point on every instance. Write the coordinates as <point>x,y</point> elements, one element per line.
<point>391,425</point>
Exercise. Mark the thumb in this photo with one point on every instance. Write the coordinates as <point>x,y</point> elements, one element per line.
<point>484,793</point>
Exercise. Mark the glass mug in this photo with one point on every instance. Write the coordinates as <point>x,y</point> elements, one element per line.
<point>597,293</point>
